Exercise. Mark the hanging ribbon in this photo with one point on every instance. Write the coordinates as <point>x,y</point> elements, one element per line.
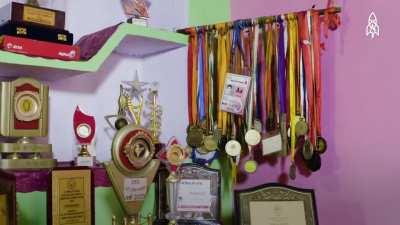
<point>316,45</point>
<point>200,78</point>
<point>292,60</point>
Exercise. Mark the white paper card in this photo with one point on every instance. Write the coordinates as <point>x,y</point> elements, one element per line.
<point>135,189</point>
<point>194,195</point>
<point>272,144</point>
<point>236,88</point>
<point>84,161</point>
<point>277,212</point>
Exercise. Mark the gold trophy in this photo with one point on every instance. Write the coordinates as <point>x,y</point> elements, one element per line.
<point>173,157</point>
<point>24,114</point>
<point>132,169</point>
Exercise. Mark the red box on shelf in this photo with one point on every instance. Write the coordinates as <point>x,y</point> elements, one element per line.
<point>39,48</point>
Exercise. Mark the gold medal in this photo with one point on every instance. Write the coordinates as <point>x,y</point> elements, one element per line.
<point>301,127</point>
<point>195,137</point>
<point>210,143</point>
<point>321,145</point>
<point>292,171</point>
<point>307,151</point>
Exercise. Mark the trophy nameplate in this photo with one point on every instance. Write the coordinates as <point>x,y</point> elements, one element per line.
<point>24,114</point>
<point>71,197</point>
<point>84,129</point>
<point>132,168</point>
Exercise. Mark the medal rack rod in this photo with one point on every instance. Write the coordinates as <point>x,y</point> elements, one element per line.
<point>259,20</point>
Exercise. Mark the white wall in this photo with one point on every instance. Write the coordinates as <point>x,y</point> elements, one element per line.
<point>97,93</point>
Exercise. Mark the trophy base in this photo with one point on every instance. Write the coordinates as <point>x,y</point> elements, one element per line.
<point>84,161</point>
<point>23,164</point>
<point>24,148</point>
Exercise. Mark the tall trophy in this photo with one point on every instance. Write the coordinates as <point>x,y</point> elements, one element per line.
<point>24,115</point>
<point>173,157</point>
<point>133,166</point>
<point>84,129</point>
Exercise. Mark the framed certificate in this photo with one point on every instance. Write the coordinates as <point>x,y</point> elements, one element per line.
<point>7,199</point>
<point>272,204</point>
<point>71,197</point>
<point>198,195</point>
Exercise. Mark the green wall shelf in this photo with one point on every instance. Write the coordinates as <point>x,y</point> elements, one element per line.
<point>128,39</point>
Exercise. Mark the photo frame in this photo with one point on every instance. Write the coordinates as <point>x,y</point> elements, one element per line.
<point>275,203</point>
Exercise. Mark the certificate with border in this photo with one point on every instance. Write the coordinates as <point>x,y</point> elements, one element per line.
<point>71,197</point>
<point>272,204</point>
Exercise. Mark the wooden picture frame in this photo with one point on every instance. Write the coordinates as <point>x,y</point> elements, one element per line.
<point>275,203</point>
<point>68,188</point>
<point>8,202</point>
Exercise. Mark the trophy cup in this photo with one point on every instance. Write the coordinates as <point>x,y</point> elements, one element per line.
<point>23,114</point>
<point>84,129</point>
<point>173,157</point>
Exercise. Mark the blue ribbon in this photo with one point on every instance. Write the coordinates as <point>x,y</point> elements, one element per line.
<point>204,159</point>
<point>200,77</point>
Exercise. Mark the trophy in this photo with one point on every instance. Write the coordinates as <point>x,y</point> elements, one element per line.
<point>84,129</point>
<point>137,11</point>
<point>173,157</point>
<point>23,114</point>
<point>133,168</point>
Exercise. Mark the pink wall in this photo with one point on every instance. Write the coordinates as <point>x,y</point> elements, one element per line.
<point>358,183</point>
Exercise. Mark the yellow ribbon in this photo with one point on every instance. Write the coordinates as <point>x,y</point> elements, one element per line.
<point>221,73</point>
<point>292,61</point>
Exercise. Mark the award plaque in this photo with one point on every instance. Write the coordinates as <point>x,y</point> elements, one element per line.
<point>23,114</point>
<point>7,200</point>
<point>71,197</point>
<point>272,204</point>
<point>32,14</point>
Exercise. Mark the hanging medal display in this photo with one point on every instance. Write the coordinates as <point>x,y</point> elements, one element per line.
<point>281,56</point>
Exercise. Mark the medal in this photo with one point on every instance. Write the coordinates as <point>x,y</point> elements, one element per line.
<point>195,136</point>
<point>321,145</point>
<point>314,164</point>
<point>307,151</point>
<point>292,171</point>
<point>210,143</point>
<point>301,127</point>
<point>233,148</point>
<point>250,166</point>
<point>252,137</point>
